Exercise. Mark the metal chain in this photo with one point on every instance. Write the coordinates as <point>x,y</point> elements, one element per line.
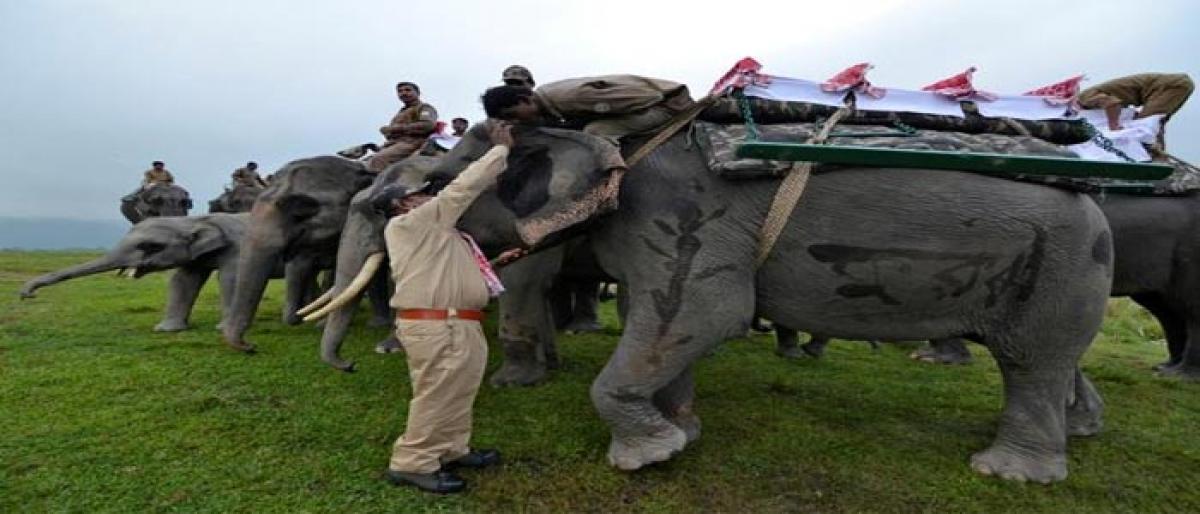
<point>747,115</point>
<point>1105,143</point>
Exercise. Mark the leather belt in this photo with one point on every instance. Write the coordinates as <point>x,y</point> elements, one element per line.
<point>473,315</point>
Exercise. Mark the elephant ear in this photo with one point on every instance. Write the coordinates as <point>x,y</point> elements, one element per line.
<point>206,238</point>
<point>557,180</point>
<point>299,206</point>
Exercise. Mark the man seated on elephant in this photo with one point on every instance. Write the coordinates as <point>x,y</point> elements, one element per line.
<point>407,131</point>
<point>157,174</point>
<point>248,176</point>
<point>442,283</point>
<point>610,106</point>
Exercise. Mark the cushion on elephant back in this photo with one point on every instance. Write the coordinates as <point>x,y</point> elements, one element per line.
<point>719,144</point>
<point>1059,131</point>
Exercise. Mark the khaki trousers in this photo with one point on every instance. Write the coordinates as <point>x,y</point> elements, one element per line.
<point>640,122</point>
<point>446,361</point>
<point>395,151</point>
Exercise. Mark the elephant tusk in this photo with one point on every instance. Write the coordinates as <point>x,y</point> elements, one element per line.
<point>356,286</point>
<point>316,304</point>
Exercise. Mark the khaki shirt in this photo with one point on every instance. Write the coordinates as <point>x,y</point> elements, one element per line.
<point>153,176</point>
<point>431,263</point>
<point>1131,90</point>
<point>420,113</point>
<point>248,177</point>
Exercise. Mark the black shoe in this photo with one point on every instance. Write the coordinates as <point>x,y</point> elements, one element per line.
<point>441,481</point>
<point>475,459</point>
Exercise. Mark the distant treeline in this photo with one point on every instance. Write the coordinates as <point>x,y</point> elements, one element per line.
<point>58,233</point>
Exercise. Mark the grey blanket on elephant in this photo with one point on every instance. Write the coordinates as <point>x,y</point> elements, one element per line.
<point>1063,132</point>
<point>719,144</point>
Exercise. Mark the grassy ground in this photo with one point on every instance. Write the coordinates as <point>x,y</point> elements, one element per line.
<point>102,414</point>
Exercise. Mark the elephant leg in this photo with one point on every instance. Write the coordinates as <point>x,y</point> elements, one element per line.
<point>559,298</point>
<point>815,347</point>
<point>1031,441</point>
<point>1188,366</point>
<point>586,296</point>
<point>675,403</point>
<point>300,274</point>
<point>787,342</point>
<point>182,291</point>
<point>526,323</point>
<point>1174,327</point>
<point>380,292</point>
<point>951,350</point>
<point>657,349</point>
<point>1085,408</point>
<point>622,305</point>
<point>227,279</point>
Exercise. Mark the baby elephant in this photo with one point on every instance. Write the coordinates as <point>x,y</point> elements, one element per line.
<point>194,246</point>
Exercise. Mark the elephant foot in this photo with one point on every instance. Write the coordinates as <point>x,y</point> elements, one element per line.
<point>586,326</point>
<point>389,345</point>
<point>1085,412</point>
<point>935,355</point>
<point>244,347</point>
<point>630,453</point>
<point>793,352</point>
<point>380,321</point>
<point>170,326</point>
<point>1181,370</point>
<point>1019,465</point>
<point>514,374</point>
<point>292,318</point>
<point>689,423</point>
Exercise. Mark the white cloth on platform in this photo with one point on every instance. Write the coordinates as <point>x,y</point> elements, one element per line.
<point>445,141</point>
<point>1021,108</point>
<point>903,100</point>
<point>1129,139</point>
<point>795,90</point>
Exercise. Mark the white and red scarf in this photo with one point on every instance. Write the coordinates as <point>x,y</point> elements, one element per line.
<point>853,78</point>
<point>490,278</point>
<point>1058,93</point>
<point>959,87</point>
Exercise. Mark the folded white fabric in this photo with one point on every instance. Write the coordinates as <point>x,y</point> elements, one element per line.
<point>1129,139</point>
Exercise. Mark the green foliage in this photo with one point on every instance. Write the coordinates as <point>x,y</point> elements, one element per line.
<point>102,414</point>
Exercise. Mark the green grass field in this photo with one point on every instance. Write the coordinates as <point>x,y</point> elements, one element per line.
<point>102,414</point>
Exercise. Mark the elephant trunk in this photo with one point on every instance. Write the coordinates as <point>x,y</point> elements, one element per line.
<point>100,265</point>
<point>261,250</point>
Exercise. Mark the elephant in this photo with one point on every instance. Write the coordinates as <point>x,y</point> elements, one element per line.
<point>868,253</point>
<point>526,328</point>
<point>298,218</point>
<point>239,198</point>
<point>1156,243</point>
<point>156,200</point>
<point>193,246</point>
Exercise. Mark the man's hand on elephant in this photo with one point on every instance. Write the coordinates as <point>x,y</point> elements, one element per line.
<point>500,133</point>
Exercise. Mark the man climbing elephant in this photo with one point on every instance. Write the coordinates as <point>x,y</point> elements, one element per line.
<point>442,283</point>
<point>1154,93</point>
<point>407,131</point>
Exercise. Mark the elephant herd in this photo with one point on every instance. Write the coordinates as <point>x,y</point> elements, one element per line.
<point>869,253</point>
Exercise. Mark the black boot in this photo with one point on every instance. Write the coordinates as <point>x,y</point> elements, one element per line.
<point>476,459</point>
<point>441,481</point>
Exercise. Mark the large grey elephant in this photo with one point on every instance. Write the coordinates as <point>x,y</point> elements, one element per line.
<point>156,200</point>
<point>239,198</point>
<point>193,246</point>
<point>298,218</point>
<point>1156,241</point>
<point>868,253</point>
<point>526,329</point>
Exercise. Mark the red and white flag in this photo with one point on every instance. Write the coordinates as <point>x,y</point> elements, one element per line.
<point>853,78</point>
<point>1058,93</point>
<point>743,73</point>
<point>959,87</point>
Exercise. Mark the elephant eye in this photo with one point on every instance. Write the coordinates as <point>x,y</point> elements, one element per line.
<point>151,247</point>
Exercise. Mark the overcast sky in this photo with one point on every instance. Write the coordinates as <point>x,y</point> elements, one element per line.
<point>92,91</point>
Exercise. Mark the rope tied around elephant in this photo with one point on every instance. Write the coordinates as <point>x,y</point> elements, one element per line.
<point>790,191</point>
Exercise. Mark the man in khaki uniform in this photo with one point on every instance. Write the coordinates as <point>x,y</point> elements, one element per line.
<point>1155,93</point>
<point>157,174</point>
<point>442,284</point>
<point>517,75</point>
<point>248,176</point>
<point>407,131</point>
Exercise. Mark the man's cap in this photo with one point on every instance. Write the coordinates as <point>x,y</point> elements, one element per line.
<point>517,72</point>
<point>156,163</point>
